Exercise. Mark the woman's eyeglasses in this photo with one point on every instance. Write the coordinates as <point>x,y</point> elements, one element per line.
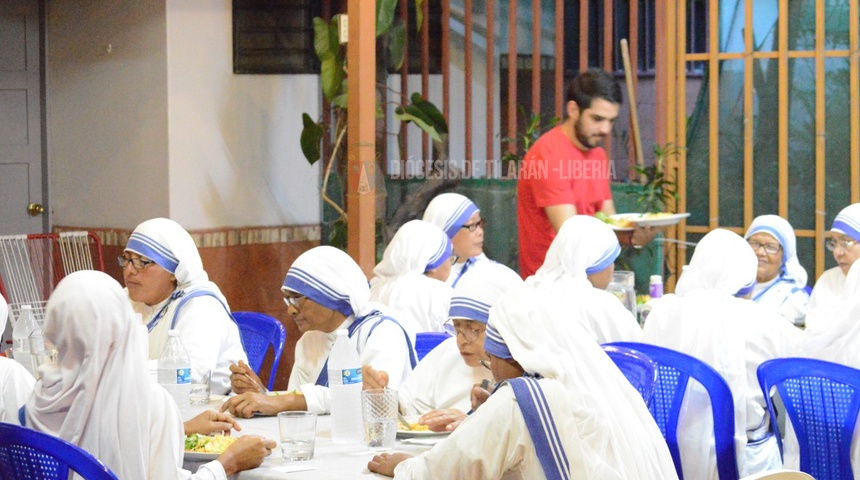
<point>474,226</point>
<point>139,264</point>
<point>470,334</point>
<point>831,244</point>
<point>294,302</point>
<point>485,364</point>
<point>769,248</point>
<point>454,258</point>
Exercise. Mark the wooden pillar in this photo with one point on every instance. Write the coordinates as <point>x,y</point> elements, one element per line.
<point>361,134</point>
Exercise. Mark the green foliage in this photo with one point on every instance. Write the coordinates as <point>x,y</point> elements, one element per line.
<point>659,190</point>
<point>384,15</point>
<point>311,137</point>
<point>525,139</point>
<point>424,114</point>
<point>327,48</point>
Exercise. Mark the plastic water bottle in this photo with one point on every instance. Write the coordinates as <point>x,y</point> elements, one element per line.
<point>345,383</point>
<point>174,372</point>
<point>655,291</point>
<point>25,325</point>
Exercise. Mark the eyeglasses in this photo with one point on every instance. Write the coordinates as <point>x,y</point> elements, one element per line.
<point>139,264</point>
<point>769,248</point>
<point>831,244</point>
<point>485,363</point>
<point>473,226</point>
<point>454,258</point>
<point>470,334</point>
<point>294,302</point>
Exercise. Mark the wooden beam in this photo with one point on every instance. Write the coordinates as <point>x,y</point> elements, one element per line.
<point>361,134</point>
<point>854,89</point>
<point>559,57</point>
<point>536,66</point>
<point>467,73</point>
<point>491,83</point>
<point>748,114</point>
<point>820,132</point>
<point>714,115</point>
<point>512,77</point>
<point>783,84</point>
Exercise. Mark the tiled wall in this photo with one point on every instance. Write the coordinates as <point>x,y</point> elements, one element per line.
<point>248,264</point>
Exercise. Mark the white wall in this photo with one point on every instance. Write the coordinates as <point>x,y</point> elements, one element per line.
<point>106,109</point>
<point>160,125</point>
<point>235,158</point>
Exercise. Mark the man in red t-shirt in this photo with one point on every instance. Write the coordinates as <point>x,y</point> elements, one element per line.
<point>566,172</point>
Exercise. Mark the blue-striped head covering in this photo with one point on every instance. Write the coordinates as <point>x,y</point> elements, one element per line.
<point>848,221</point>
<point>584,246</point>
<point>478,291</point>
<point>416,248</point>
<point>450,211</point>
<point>494,344</point>
<point>782,231</point>
<point>331,278</point>
<point>168,244</point>
<point>723,261</point>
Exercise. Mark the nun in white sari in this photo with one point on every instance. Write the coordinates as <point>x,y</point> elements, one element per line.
<point>706,319</point>
<point>577,269</point>
<point>780,279</point>
<point>411,276</point>
<point>564,411</point>
<point>16,383</point>
<point>443,380</point>
<point>98,394</point>
<point>844,242</point>
<point>461,220</point>
<point>840,344</point>
<point>325,291</point>
<point>169,288</point>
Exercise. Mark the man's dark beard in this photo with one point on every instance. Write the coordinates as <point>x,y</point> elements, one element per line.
<point>577,131</point>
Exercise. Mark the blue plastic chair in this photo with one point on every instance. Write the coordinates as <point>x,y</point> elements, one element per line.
<point>822,400</point>
<point>639,370</point>
<point>674,370</point>
<point>26,454</point>
<point>426,341</point>
<point>259,331</point>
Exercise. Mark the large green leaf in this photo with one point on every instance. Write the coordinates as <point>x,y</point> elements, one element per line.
<point>397,45</point>
<point>412,113</point>
<point>431,112</point>
<point>419,13</point>
<point>322,39</point>
<point>384,15</point>
<point>331,77</point>
<point>311,138</point>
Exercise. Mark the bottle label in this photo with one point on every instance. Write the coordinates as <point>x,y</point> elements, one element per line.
<point>351,376</point>
<point>656,290</point>
<point>183,376</point>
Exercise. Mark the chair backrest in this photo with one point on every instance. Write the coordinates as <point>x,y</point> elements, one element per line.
<point>259,331</point>
<point>26,454</point>
<point>674,370</point>
<point>639,370</point>
<point>426,341</point>
<point>822,400</point>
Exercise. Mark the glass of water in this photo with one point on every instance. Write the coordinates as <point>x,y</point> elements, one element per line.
<point>379,409</point>
<point>298,433</point>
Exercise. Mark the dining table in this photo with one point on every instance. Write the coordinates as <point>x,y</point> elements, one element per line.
<point>334,461</point>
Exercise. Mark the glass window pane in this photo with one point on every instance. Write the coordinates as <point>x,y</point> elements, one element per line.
<point>766,137</point>
<point>801,154</point>
<point>837,177</point>
<point>836,16</point>
<point>698,152</point>
<point>801,25</point>
<point>731,143</point>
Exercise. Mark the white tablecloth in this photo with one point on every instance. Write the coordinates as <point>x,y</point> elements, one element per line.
<point>331,461</point>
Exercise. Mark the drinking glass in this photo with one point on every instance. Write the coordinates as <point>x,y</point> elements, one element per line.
<point>379,409</point>
<point>298,432</point>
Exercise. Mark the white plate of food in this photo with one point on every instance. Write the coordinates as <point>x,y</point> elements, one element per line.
<point>206,448</point>
<point>418,430</point>
<point>626,221</point>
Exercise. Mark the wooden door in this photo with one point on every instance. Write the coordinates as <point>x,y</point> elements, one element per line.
<point>22,159</point>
